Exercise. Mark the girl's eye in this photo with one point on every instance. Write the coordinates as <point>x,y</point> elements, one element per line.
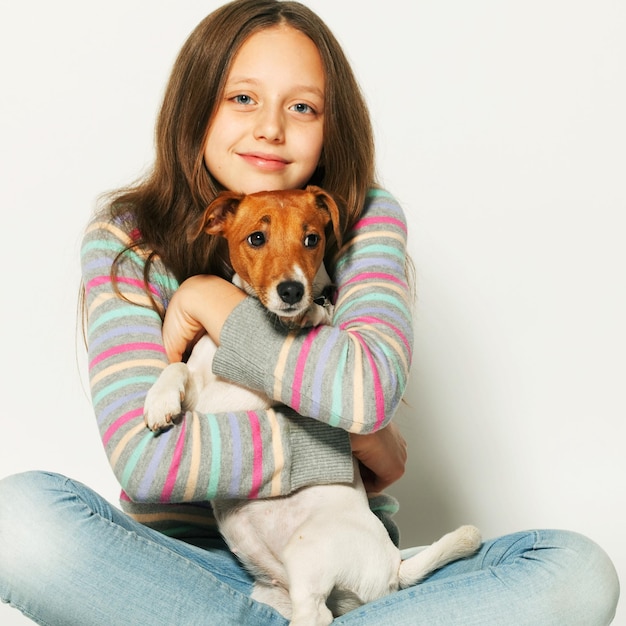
<point>257,239</point>
<point>311,241</point>
<point>242,99</point>
<point>302,108</point>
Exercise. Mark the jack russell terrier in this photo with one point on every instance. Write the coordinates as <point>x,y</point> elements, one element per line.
<point>319,552</point>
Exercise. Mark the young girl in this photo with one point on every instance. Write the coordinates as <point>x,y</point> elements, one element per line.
<point>260,97</point>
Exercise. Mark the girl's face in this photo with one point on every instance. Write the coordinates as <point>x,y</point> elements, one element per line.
<point>267,131</point>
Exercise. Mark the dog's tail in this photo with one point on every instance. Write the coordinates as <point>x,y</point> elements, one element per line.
<point>458,544</point>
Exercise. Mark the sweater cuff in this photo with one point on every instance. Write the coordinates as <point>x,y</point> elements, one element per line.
<point>384,507</point>
<point>320,454</point>
<point>248,332</point>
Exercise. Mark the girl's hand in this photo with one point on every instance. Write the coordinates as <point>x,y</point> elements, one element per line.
<point>382,457</point>
<point>200,305</point>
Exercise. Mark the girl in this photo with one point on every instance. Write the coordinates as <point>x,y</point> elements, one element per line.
<point>260,97</point>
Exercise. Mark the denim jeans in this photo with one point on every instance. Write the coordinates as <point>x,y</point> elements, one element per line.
<point>69,557</point>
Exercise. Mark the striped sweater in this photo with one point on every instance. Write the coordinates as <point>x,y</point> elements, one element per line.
<point>348,377</point>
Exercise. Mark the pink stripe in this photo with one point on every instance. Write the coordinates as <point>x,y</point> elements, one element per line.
<point>105,280</point>
<point>126,347</point>
<point>257,454</point>
<point>300,365</point>
<point>376,276</point>
<point>369,221</point>
<point>172,474</point>
<point>376,321</point>
<point>131,415</point>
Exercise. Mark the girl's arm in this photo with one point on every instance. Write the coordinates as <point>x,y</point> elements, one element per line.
<point>188,316</point>
<point>382,454</point>
<point>352,374</point>
<point>244,454</point>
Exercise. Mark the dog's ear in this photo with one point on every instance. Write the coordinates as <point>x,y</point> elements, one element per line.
<point>214,217</point>
<point>326,201</point>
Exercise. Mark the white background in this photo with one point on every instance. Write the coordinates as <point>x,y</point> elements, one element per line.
<point>501,128</point>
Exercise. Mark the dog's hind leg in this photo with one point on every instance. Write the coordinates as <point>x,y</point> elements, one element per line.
<point>309,607</point>
<point>458,544</point>
<point>274,595</point>
<point>310,580</point>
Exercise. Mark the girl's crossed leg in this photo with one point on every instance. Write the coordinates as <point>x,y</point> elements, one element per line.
<point>69,557</point>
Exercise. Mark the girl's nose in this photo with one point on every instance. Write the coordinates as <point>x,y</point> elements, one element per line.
<point>269,125</point>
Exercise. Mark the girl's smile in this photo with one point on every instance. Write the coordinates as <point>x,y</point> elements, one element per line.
<point>264,161</point>
<point>267,131</point>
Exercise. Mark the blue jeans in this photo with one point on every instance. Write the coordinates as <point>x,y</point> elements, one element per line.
<point>68,557</point>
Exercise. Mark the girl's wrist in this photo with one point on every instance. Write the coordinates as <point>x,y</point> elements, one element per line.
<point>210,300</point>
<point>201,304</point>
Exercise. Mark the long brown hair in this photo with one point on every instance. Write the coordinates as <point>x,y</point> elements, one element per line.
<point>168,202</point>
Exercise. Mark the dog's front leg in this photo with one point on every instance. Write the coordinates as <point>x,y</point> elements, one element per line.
<point>171,394</point>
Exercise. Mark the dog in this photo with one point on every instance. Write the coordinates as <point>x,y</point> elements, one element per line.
<point>320,551</point>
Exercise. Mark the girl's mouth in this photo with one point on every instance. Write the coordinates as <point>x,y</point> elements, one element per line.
<point>269,162</point>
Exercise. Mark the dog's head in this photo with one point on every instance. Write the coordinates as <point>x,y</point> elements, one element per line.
<point>276,242</point>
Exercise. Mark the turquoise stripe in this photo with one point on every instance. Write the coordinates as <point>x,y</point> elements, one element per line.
<point>113,246</point>
<point>337,392</point>
<point>167,281</point>
<point>379,250</point>
<point>134,459</point>
<point>150,380</point>
<point>374,297</point>
<point>130,310</point>
<point>387,508</point>
<point>401,372</point>
<point>378,193</point>
<point>395,359</point>
<point>216,456</point>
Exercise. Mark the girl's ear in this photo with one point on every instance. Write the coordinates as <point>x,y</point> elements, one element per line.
<point>326,201</point>
<point>214,217</point>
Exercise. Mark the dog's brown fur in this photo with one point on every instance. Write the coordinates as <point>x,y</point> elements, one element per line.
<point>266,229</point>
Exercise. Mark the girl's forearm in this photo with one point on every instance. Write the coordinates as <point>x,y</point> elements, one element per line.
<point>201,304</point>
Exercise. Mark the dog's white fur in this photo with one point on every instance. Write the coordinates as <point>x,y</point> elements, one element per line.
<point>320,551</point>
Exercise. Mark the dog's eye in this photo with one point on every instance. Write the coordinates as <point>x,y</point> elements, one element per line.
<point>310,241</point>
<point>256,239</point>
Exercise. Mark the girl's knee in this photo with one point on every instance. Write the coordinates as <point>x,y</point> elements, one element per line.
<point>25,519</point>
<point>606,581</point>
<point>577,578</point>
<point>593,580</point>
<point>23,495</point>
<point>24,505</point>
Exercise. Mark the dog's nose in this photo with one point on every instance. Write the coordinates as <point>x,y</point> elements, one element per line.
<point>291,291</point>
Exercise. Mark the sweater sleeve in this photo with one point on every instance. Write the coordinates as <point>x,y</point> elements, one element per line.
<point>203,456</point>
<point>352,374</point>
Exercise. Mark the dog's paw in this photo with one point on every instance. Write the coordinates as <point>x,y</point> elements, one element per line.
<point>317,314</point>
<point>161,407</point>
<point>165,399</point>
